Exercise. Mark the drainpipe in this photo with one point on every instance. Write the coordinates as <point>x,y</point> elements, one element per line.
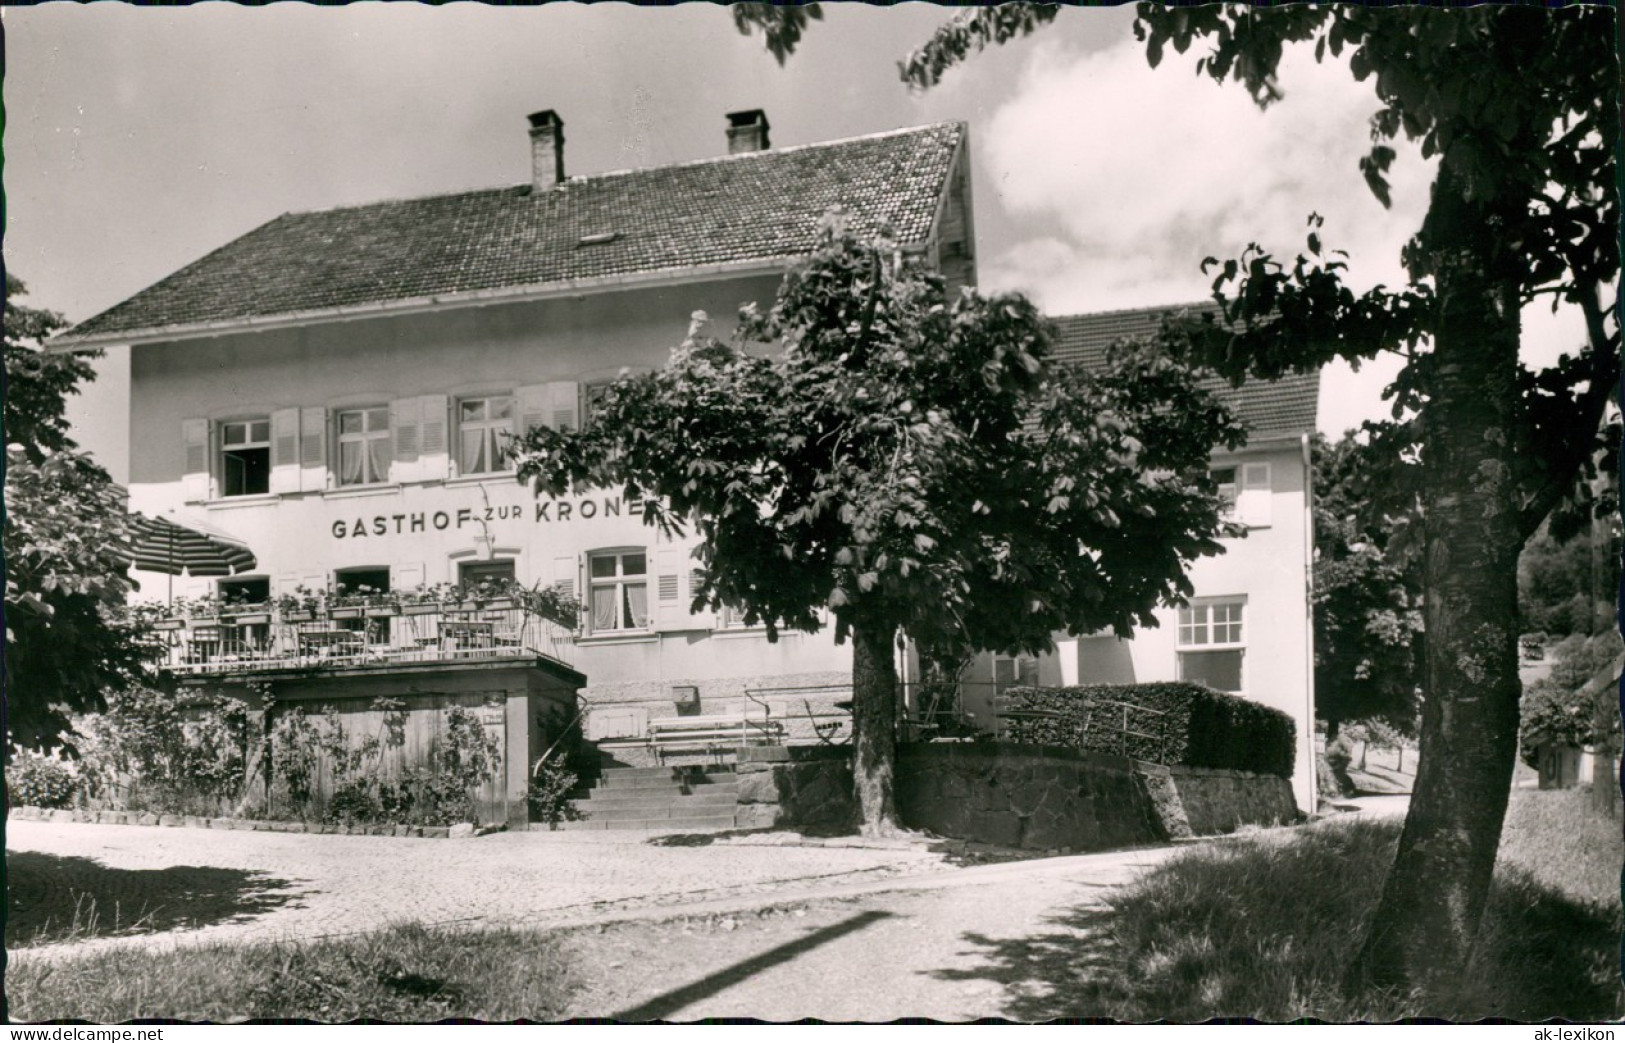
<point>1309,607</point>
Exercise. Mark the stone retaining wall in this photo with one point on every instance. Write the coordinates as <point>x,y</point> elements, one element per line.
<point>1218,800</point>
<point>808,786</point>
<point>1033,797</point>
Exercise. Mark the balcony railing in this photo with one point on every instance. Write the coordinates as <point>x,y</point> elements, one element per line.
<point>344,638</point>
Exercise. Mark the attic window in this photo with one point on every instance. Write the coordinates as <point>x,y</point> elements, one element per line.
<point>600,237</point>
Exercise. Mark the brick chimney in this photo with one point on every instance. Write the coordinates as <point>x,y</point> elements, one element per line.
<point>546,150</point>
<point>747,131</point>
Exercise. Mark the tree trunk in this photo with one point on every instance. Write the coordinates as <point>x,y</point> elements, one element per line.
<point>1427,920</point>
<point>1605,790</point>
<point>874,727</point>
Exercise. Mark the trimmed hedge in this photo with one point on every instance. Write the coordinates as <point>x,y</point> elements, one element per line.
<point>1199,728</point>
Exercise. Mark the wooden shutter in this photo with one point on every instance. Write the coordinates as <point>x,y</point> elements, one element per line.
<point>285,451</point>
<point>566,575</point>
<point>1253,506</point>
<point>535,406</point>
<point>195,469</point>
<point>433,459</point>
<point>313,449</point>
<point>406,576</point>
<point>670,611</point>
<point>406,431</point>
<point>315,582</point>
<point>564,405</point>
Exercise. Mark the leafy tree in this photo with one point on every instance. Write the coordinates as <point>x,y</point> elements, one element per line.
<point>1519,106</point>
<point>66,638</point>
<point>1570,587</point>
<point>1567,705</point>
<point>781,26</point>
<point>910,467</point>
<point>1367,605</point>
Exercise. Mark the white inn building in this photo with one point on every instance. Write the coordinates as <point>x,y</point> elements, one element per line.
<point>335,388</point>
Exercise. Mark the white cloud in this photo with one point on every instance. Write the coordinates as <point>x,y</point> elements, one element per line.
<point>1119,179</point>
<point>1133,175</point>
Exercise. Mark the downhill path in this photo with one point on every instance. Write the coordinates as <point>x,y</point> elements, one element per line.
<point>1001,941</point>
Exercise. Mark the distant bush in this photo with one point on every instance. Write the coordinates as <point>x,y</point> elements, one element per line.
<point>1174,721</point>
<point>39,780</point>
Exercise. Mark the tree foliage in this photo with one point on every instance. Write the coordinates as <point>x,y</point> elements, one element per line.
<point>1519,105</point>
<point>781,25</point>
<point>1577,704</point>
<point>1570,587</point>
<point>67,639</point>
<point>910,465</point>
<point>1367,605</point>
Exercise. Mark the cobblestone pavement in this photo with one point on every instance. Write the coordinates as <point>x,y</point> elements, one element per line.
<point>313,885</point>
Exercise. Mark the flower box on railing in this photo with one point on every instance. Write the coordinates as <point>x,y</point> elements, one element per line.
<point>298,615</point>
<point>345,612</point>
<point>378,611</point>
<point>249,617</point>
<point>420,608</point>
<point>170,624</point>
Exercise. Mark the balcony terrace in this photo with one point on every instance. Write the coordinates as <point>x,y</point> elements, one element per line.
<point>261,639</point>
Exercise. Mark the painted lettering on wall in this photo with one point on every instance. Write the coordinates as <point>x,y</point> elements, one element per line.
<point>544,511</point>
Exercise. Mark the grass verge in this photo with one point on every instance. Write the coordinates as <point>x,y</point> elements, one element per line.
<point>1263,927</point>
<point>407,973</point>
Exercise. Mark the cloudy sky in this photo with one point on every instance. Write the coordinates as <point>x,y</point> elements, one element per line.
<point>139,139</point>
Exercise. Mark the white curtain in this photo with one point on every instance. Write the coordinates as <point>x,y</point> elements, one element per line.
<point>637,604</point>
<point>350,463</point>
<point>603,608</point>
<point>473,457</point>
<point>378,451</point>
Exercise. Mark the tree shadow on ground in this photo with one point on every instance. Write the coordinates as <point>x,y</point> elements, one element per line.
<point>58,898</point>
<point>1070,972</point>
<point>1543,956</point>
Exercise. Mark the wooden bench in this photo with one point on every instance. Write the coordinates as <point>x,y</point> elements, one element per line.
<point>711,734</point>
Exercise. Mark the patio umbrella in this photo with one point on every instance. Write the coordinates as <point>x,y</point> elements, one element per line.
<point>177,546</point>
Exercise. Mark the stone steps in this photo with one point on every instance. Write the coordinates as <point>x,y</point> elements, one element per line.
<point>657,798</point>
<point>725,796</point>
<point>713,824</point>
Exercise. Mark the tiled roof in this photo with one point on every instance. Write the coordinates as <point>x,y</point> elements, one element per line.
<point>731,210</point>
<point>1263,407</point>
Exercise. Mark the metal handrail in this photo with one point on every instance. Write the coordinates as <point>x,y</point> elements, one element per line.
<point>227,646</point>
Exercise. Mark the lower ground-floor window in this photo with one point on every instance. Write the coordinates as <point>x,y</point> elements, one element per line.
<point>1212,643</point>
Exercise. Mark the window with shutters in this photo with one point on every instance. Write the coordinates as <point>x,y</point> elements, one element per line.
<point>245,457</point>
<point>618,590</point>
<point>1245,490</point>
<point>485,426</point>
<point>364,447</point>
<point>489,576</point>
<point>592,399</point>
<point>1226,479</point>
<point>1212,643</point>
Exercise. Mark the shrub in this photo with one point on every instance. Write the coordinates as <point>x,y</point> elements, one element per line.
<point>1174,722</point>
<point>551,782</point>
<point>39,780</point>
<point>164,751</point>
